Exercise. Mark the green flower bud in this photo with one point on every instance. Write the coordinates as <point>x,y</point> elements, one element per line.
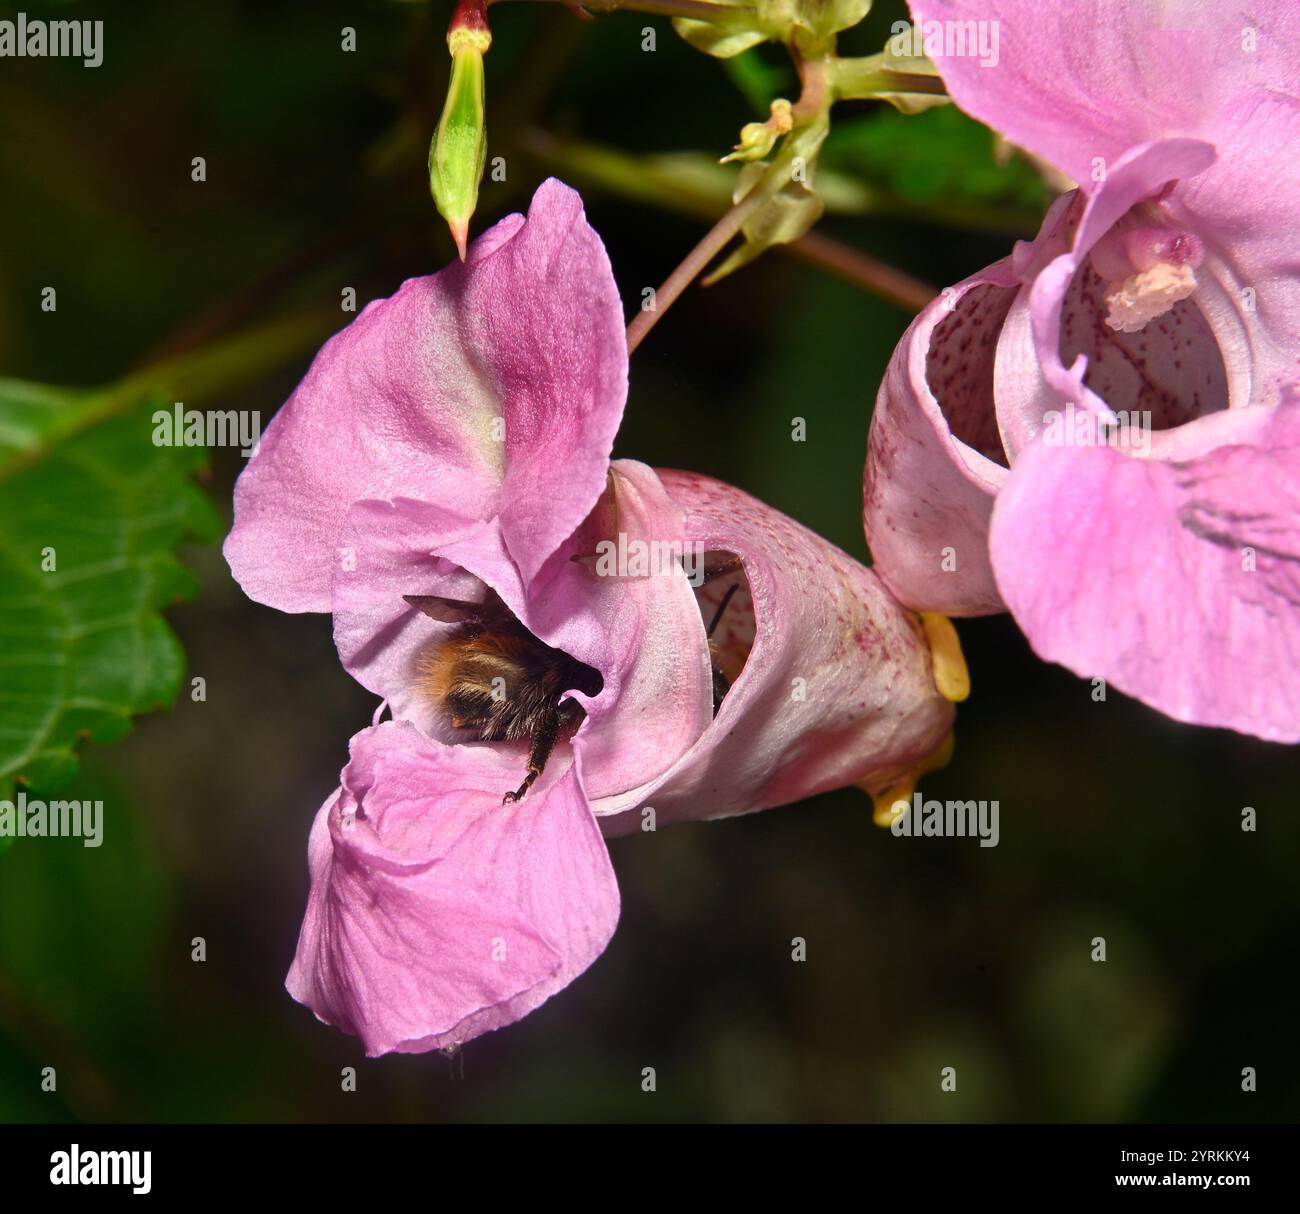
<point>758,138</point>
<point>789,205</point>
<point>459,149</point>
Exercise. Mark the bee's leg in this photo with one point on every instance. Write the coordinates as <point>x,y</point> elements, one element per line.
<point>722,606</point>
<point>548,733</point>
<point>724,563</point>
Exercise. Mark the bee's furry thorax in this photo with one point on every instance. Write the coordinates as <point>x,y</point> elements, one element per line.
<point>502,683</point>
<point>493,680</point>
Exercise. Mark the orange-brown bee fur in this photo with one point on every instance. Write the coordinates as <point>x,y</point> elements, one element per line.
<point>496,680</point>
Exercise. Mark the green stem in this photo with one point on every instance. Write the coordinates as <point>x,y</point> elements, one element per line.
<point>645,181</point>
<point>867,77</point>
<point>234,360</point>
<point>692,183</point>
<point>199,374</point>
<point>694,262</point>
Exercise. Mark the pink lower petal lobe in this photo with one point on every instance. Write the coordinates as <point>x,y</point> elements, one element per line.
<point>436,913</point>
<point>1176,581</point>
<point>639,625</point>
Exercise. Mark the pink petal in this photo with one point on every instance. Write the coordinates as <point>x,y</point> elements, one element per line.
<point>395,550</point>
<point>1138,570</point>
<point>934,459</point>
<point>643,632</point>
<point>407,401</point>
<point>436,913</point>
<point>1086,80</point>
<point>1243,209</point>
<point>837,689</point>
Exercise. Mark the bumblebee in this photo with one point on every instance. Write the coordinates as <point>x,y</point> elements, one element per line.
<point>495,680</point>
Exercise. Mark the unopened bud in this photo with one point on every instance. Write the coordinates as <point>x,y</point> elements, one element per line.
<point>758,138</point>
<point>459,149</point>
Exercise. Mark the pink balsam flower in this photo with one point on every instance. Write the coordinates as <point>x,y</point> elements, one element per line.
<point>1101,433</point>
<point>441,482</point>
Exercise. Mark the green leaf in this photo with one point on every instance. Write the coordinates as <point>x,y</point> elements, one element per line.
<point>826,17</point>
<point>720,41</point>
<point>90,513</point>
<point>940,156</point>
<point>729,33</point>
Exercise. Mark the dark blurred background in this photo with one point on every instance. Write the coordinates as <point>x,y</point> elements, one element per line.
<point>921,953</point>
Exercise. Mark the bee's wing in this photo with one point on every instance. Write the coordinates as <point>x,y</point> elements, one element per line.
<point>447,611</point>
<point>719,564</point>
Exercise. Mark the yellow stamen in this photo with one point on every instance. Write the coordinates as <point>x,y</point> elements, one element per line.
<point>950,674</point>
<point>1132,304</point>
<point>894,800</point>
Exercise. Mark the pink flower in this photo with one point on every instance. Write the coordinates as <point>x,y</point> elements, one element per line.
<point>441,482</point>
<point>1100,432</point>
